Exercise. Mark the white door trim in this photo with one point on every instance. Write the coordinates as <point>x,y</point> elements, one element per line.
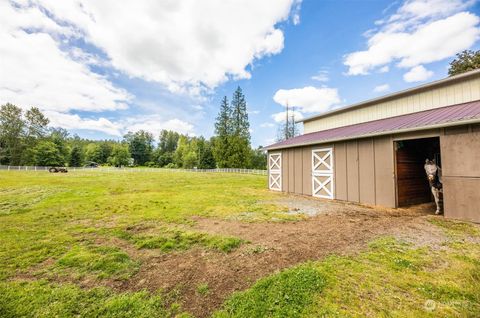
<point>323,168</point>
<point>275,171</point>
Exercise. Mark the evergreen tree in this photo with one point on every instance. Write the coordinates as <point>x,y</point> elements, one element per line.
<point>240,124</point>
<point>240,152</point>
<point>223,131</point>
<point>206,159</point>
<point>239,141</point>
<point>76,157</point>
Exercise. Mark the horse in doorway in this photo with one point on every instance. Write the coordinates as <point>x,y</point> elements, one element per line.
<point>434,175</point>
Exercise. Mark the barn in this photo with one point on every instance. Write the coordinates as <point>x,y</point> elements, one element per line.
<point>373,152</point>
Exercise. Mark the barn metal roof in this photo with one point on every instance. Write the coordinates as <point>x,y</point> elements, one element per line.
<point>394,95</point>
<point>465,113</point>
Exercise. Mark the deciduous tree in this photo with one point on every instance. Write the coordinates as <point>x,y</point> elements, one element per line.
<point>465,61</point>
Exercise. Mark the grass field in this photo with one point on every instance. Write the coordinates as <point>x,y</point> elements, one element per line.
<point>70,245</point>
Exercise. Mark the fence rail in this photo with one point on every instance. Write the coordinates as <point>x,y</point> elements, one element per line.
<point>219,170</point>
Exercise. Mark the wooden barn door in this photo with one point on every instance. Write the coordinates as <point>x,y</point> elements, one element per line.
<point>275,171</point>
<point>322,173</point>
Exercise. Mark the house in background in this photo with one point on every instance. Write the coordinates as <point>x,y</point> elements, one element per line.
<point>373,152</point>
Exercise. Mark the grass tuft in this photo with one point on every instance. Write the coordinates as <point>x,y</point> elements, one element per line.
<point>286,294</point>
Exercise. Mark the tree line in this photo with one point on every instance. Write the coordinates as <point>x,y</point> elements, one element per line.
<point>27,139</point>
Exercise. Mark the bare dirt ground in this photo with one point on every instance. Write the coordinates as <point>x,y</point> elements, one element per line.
<point>331,228</point>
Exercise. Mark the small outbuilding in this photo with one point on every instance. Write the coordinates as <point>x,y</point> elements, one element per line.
<point>373,152</point>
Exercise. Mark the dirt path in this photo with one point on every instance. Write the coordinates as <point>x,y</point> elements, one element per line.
<point>339,228</point>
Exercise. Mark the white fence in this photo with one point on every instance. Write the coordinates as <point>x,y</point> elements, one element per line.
<point>222,170</point>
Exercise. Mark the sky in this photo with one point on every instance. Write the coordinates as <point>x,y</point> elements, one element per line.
<point>103,68</point>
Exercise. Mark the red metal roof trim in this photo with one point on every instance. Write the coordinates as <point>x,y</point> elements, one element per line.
<point>427,118</point>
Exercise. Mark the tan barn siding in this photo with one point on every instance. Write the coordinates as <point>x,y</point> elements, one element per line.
<point>307,170</point>
<point>298,162</point>
<point>285,170</point>
<point>384,172</point>
<point>291,172</point>
<point>353,193</point>
<point>449,94</point>
<point>366,162</point>
<point>460,149</point>
<point>340,175</point>
<point>462,153</point>
<point>461,197</point>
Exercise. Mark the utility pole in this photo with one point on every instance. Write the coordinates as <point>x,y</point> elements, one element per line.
<point>293,123</point>
<point>286,123</point>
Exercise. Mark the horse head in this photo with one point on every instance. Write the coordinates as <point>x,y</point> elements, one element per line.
<point>431,169</point>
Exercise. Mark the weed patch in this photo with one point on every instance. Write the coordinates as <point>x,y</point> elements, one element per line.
<point>168,240</point>
<point>101,261</point>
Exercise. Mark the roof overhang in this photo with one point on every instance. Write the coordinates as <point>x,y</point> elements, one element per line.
<point>398,131</point>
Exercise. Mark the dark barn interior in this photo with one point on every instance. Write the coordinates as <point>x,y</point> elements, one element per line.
<point>412,183</point>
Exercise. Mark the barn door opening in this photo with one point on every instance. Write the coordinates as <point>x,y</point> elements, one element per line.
<point>275,171</point>
<point>322,173</point>
<point>412,183</point>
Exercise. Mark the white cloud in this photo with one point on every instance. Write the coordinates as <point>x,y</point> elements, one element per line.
<point>421,31</point>
<point>117,128</point>
<point>267,125</point>
<point>280,117</point>
<point>384,69</point>
<point>308,99</point>
<point>35,72</point>
<point>155,123</point>
<point>178,43</point>
<point>417,74</point>
<point>69,121</point>
<point>321,76</point>
<point>381,88</point>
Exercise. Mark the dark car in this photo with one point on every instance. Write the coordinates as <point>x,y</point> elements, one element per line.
<point>91,164</point>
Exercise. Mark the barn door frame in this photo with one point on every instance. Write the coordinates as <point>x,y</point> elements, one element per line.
<point>322,168</point>
<point>275,171</point>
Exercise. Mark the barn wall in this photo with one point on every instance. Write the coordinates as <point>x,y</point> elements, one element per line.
<point>364,169</point>
<point>366,163</point>
<point>460,147</point>
<point>461,91</point>
<point>353,192</point>
<point>340,168</point>
<point>356,174</point>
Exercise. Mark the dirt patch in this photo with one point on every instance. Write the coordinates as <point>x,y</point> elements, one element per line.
<point>337,228</point>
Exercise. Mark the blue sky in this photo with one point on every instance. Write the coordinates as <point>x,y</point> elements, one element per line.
<point>100,70</point>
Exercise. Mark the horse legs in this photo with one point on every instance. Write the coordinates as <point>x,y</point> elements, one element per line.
<point>436,196</point>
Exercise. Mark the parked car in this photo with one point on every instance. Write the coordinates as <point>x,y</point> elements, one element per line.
<point>91,164</point>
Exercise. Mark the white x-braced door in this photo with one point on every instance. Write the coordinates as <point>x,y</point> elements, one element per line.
<point>275,171</point>
<point>322,173</point>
